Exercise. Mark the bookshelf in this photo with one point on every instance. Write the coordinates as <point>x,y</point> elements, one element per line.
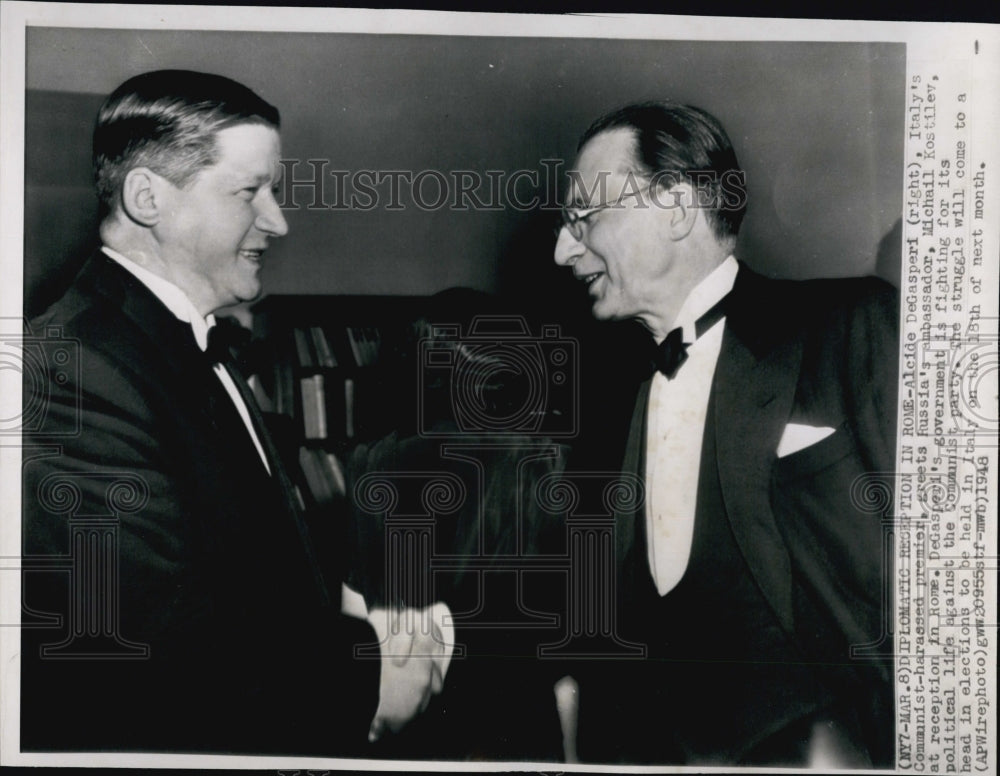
<point>319,372</point>
<point>337,371</point>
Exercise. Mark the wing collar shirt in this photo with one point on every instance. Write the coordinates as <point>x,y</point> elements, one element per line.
<point>184,310</point>
<point>675,426</point>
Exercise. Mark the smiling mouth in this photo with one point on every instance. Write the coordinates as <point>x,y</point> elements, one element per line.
<point>252,255</point>
<point>588,280</point>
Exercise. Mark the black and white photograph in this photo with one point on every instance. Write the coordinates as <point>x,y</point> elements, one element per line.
<point>404,390</point>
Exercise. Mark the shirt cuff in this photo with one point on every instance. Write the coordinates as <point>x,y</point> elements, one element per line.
<point>352,603</point>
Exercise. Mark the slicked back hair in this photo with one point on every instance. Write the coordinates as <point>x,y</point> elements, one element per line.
<point>167,121</point>
<point>675,143</point>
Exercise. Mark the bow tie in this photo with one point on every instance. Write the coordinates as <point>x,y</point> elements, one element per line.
<point>668,356</point>
<point>223,339</point>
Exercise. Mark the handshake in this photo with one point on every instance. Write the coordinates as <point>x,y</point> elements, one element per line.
<point>416,647</point>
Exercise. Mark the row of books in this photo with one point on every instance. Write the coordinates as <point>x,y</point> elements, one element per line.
<point>327,413</point>
<point>319,347</point>
<point>311,374</point>
<point>323,474</point>
<point>323,416</point>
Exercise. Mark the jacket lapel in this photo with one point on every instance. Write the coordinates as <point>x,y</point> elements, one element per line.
<point>186,367</point>
<point>633,464</point>
<point>754,384</point>
<point>164,333</point>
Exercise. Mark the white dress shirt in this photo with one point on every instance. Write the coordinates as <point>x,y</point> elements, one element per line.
<point>674,431</point>
<point>184,310</point>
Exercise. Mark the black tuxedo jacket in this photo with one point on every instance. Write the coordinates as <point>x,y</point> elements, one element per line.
<point>209,629</point>
<point>809,525</point>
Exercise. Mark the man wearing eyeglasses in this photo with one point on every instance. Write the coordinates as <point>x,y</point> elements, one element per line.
<point>749,572</point>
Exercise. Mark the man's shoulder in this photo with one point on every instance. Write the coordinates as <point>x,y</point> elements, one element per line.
<point>818,296</point>
<point>793,305</point>
<point>851,308</point>
<point>76,302</point>
<point>68,313</point>
<point>112,358</point>
<point>827,295</point>
<point>91,311</point>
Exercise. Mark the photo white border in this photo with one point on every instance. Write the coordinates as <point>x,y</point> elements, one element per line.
<point>926,42</point>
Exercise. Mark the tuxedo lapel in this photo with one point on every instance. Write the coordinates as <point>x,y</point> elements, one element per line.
<point>754,385</point>
<point>189,379</point>
<point>154,340</point>
<point>633,464</point>
<point>754,390</point>
<point>164,333</point>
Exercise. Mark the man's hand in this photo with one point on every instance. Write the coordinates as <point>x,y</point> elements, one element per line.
<point>413,653</point>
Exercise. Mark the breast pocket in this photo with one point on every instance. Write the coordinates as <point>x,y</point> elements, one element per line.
<point>814,458</point>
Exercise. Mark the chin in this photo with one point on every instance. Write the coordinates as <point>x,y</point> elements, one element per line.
<point>251,289</point>
<point>601,311</point>
<point>252,295</point>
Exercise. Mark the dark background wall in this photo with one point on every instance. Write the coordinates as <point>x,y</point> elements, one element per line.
<point>817,126</point>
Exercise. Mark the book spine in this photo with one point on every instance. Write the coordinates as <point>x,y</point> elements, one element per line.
<point>349,408</point>
<point>324,353</point>
<point>314,407</point>
<point>335,473</point>
<point>354,339</point>
<point>374,340</point>
<point>284,386</point>
<point>316,478</point>
<point>302,349</point>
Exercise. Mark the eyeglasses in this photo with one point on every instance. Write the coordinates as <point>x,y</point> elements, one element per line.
<point>576,218</point>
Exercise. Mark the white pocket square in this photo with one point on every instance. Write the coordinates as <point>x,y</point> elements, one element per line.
<point>798,437</point>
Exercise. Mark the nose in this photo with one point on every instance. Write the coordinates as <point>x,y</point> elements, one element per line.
<point>270,219</point>
<point>568,249</point>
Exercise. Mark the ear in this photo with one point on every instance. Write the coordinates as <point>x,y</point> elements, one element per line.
<point>140,196</point>
<point>683,210</point>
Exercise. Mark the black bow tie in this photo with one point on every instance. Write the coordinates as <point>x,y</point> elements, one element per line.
<point>223,339</point>
<point>668,356</point>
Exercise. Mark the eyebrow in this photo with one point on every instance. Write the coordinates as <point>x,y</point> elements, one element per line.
<point>576,202</point>
<point>260,179</point>
<point>601,186</point>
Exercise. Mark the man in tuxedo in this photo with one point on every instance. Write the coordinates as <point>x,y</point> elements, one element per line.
<point>752,572</point>
<point>174,600</point>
